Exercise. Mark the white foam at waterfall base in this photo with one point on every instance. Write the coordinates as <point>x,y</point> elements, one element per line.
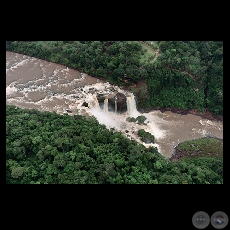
<point>155,130</point>
<point>109,119</point>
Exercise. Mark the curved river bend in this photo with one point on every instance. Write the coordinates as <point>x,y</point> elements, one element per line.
<point>46,86</point>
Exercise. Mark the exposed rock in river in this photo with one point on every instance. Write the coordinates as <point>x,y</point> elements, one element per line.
<point>35,83</point>
<point>121,102</point>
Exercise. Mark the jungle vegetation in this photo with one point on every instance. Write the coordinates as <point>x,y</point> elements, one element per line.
<point>49,148</point>
<point>178,74</point>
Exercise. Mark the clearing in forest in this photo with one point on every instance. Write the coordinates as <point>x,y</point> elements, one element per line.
<point>151,53</point>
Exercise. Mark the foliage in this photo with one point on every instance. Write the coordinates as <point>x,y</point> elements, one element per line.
<point>186,74</point>
<point>207,146</point>
<point>131,119</point>
<point>48,148</point>
<point>141,119</point>
<point>145,136</point>
<point>44,148</point>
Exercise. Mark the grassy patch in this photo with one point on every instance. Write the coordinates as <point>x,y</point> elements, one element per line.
<point>199,147</point>
<point>153,44</point>
<point>148,55</point>
<point>134,89</point>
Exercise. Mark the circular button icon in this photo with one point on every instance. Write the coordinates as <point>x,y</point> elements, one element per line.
<point>219,220</point>
<point>200,220</point>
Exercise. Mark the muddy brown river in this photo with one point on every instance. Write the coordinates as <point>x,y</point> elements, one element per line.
<point>46,86</point>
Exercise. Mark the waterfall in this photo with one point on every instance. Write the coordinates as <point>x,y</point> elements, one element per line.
<point>131,105</point>
<point>93,102</point>
<point>106,105</point>
<point>115,104</point>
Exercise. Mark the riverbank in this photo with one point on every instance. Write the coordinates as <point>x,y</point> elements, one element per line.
<point>206,146</point>
<point>142,85</point>
<point>46,86</point>
<point>206,115</point>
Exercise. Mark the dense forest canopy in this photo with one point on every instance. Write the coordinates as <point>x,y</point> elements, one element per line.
<point>178,74</point>
<point>48,148</point>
